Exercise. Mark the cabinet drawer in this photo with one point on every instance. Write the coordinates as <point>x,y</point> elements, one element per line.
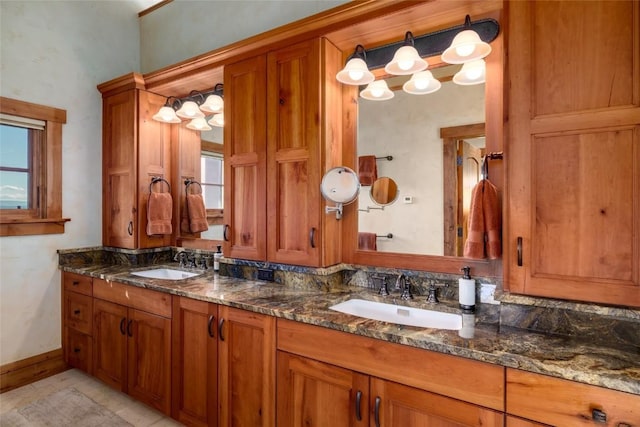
<point>562,402</point>
<point>78,310</point>
<point>79,349</point>
<point>468,380</point>
<point>78,283</point>
<point>131,296</point>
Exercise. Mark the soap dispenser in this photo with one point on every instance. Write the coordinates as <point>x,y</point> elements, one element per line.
<point>467,291</point>
<point>216,259</point>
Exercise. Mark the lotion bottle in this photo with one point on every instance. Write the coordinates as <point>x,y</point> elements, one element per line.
<point>216,259</point>
<point>467,291</point>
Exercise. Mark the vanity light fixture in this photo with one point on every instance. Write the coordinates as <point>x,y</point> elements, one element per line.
<point>356,71</point>
<point>377,91</point>
<point>406,60</point>
<point>199,123</point>
<point>471,73</point>
<point>217,120</point>
<point>466,46</point>
<point>196,105</point>
<point>422,83</point>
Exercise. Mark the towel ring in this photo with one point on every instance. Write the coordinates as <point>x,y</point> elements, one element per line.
<point>188,182</point>
<point>156,179</point>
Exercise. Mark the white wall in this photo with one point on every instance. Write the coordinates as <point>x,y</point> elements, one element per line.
<point>183,29</point>
<point>55,53</point>
<point>407,127</point>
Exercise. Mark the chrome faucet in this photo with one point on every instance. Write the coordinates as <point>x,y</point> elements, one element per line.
<point>383,290</point>
<point>402,282</point>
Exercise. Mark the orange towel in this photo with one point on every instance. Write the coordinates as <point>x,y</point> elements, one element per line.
<point>367,241</point>
<point>197,213</point>
<point>367,170</point>
<point>485,223</point>
<point>159,213</point>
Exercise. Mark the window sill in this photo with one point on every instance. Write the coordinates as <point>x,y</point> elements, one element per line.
<point>28,227</point>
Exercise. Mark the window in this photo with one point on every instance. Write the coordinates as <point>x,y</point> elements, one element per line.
<point>30,168</point>
<point>212,185</point>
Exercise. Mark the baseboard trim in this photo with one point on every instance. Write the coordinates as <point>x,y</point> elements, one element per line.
<point>31,369</point>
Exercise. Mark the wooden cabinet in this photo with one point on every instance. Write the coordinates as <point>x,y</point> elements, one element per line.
<point>223,365</point>
<point>320,368</point>
<point>195,362</point>
<point>77,321</point>
<point>135,149</point>
<point>561,402</point>
<point>132,335</point>
<point>519,422</point>
<point>573,153</point>
<point>246,368</point>
<point>284,121</point>
<point>307,388</point>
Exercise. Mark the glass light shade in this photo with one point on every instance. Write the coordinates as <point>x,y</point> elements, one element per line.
<point>466,46</point>
<point>213,104</point>
<point>406,61</point>
<point>199,123</point>
<point>217,120</point>
<point>355,73</point>
<point>189,110</point>
<point>166,114</point>
<point>422,83</point>
<point>377,91</point>
<point>471,73</point>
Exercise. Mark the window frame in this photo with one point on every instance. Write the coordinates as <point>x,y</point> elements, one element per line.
<point>48,218</point>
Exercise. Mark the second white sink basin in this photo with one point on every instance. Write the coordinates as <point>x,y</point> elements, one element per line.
<point>392,313</point>
<point>164,273</point>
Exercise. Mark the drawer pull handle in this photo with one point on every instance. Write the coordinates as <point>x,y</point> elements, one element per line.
<point>76,350</point>
<point>220,325</point>
<point>376,413</point>
<point>122,331</point>
<point>129,329</point>
<point>598,416</point>
<point>76,312</point>
<point>130,228</point>
<point>209,330</point>
<point>519,251</point>
<point>76,283</point>
<point>224,233</point>
<point>358,404</point>
<point>312,237</point>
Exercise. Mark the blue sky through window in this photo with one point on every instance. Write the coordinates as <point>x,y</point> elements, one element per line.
<point>14,152</point>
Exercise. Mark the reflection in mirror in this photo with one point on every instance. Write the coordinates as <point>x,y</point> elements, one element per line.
<point>384,191</point>
<point>339,185</point>
<point>212,173</point>
<point>408,127</point>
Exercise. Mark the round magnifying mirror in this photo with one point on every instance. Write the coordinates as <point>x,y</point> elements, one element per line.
<point>340,185</point>
<point>384,191</point>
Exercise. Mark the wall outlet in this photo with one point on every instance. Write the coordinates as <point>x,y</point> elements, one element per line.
<point>487,294</point>
<point>265,274</point>
<point>407,199</point>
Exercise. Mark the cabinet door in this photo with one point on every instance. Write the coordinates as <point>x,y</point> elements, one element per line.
<point>574,151</point>
<point>149,359</point>
<point>293,157</point>
<point>318,394</point>
<point>398,405</point>
<point>519,422</point>
<point>119,158</point>
<point>110,343</point>
<point>195,362</point>
<point>246,368</point>
<point>78,312</point>
<point>245,159</point>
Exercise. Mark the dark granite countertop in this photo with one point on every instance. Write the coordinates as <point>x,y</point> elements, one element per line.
<point>616,367</point>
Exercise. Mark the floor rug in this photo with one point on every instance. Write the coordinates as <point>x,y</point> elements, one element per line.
<point>67,407</point>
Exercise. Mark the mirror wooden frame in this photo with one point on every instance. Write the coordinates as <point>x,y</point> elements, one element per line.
<point>494,119</point>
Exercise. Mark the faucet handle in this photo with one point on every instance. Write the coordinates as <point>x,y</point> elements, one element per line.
<point>433,292</point>
<point>406,290</point>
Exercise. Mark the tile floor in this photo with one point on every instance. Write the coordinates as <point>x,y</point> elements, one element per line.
<point>130,410</point>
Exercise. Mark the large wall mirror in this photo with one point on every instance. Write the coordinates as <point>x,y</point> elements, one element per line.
<point>404,134</point>
<point>212,180</point>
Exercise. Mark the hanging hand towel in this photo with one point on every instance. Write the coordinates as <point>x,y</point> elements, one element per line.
<point>474,246</point>
<point>367,241</point>
<point>159,213</point>
<point>492,220</point>
<point>197,213</point>
<point>367,170</point>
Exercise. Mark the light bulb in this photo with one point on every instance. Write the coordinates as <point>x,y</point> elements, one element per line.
<point>406,64</point>
<point>421,84</point>
<point>356,75</point>
<point>473,73</point>
<point>465,49</point>
<point>377,92</point>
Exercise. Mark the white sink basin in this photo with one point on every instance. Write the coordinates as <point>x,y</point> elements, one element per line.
<point>392,313</point>
<point>164,273</point>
